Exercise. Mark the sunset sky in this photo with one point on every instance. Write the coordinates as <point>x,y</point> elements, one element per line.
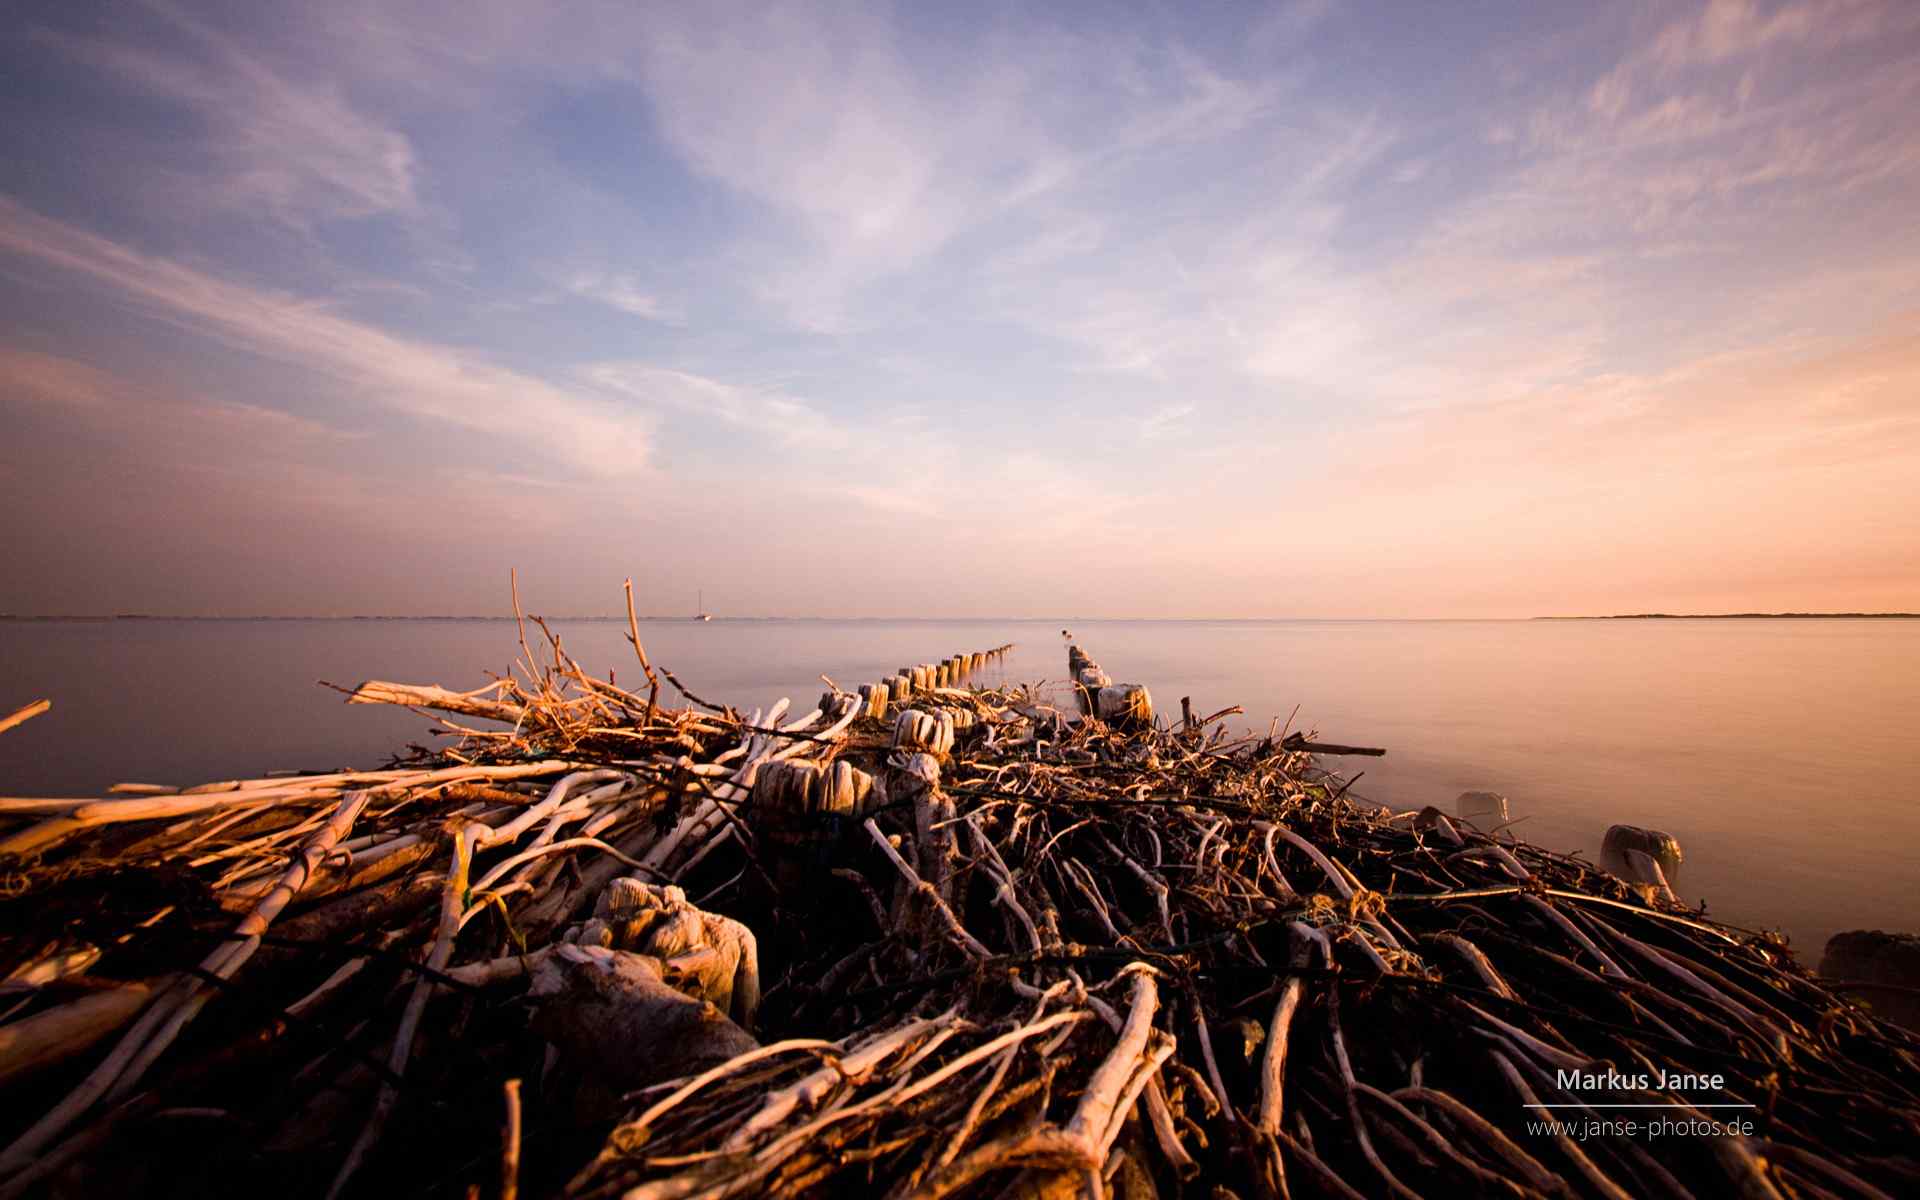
<point>1168,310</point>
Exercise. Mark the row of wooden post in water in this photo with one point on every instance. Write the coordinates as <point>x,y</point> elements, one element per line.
<point>909,681</point>
<point>799,807</point>
<point>791,798</point>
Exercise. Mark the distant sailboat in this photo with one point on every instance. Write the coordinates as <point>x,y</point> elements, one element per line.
<point>702,614</point>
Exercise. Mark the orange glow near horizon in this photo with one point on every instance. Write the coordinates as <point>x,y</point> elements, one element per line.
<point>1573,311</point>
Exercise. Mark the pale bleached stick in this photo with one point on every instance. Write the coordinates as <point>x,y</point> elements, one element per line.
<point>854,1066</point>
<point>1159,1116</point>
<point>1503,1146</point>
<point>452,902</point>
<point>1212,1064</point>
<point>510,1144</point>
<point>1601,1182</point>
<point>57,1034</point>
<point>85,813</point>
<point>1477,959</point>
<point>1347,1076</point>
<point>1273,1062</point>
<point>20,716</point>
<point>467,704</point>
<point>177,1004</point>
<point>955,929</point>
<point>1116,1084</point>
<point>1113,1080</point>
<point>493,876</point>
<point>774,1153</point>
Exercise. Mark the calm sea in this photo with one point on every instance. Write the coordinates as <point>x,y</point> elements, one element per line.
<point>1782,754</point>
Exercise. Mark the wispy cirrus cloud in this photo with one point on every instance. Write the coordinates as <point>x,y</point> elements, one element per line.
<point>626,294</point>
<point>1158,422</point>
<point>420,380</point>
<point>269,140</point>
<point>1084,265</point>
<point>51,379</point>
<point>1727,29</point>
<point>132,412</point>
<point>756,411</point>
<point>1812,401</point>
<point>876,157</point>
<point>1683,197</point>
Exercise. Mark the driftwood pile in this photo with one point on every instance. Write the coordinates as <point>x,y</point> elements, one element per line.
<point>929,939</point>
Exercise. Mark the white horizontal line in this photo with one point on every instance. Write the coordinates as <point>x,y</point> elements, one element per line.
<point>1639,1106</point>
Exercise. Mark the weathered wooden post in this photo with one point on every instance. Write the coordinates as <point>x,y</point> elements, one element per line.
<point>1646,856</point>
<point>844,791</point>
<point>799,811</point>
<point>1662,847</point>
<point>921,741</point>
<point>1125,706</point>
<point>1077,661</point>
<point>1091,680</point>
<point>917,732</point>
<point>1875,957</point>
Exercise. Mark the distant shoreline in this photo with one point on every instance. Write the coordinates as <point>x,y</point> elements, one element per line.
<point>1745,616</point>
<point>24,618</point>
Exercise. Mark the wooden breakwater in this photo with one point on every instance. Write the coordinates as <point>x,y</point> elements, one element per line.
<point>931,938</point>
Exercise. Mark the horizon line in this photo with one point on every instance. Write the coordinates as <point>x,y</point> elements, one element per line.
<point>1647,616</point>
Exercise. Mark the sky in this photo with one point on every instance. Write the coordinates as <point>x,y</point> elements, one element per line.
<point>844,310</point>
